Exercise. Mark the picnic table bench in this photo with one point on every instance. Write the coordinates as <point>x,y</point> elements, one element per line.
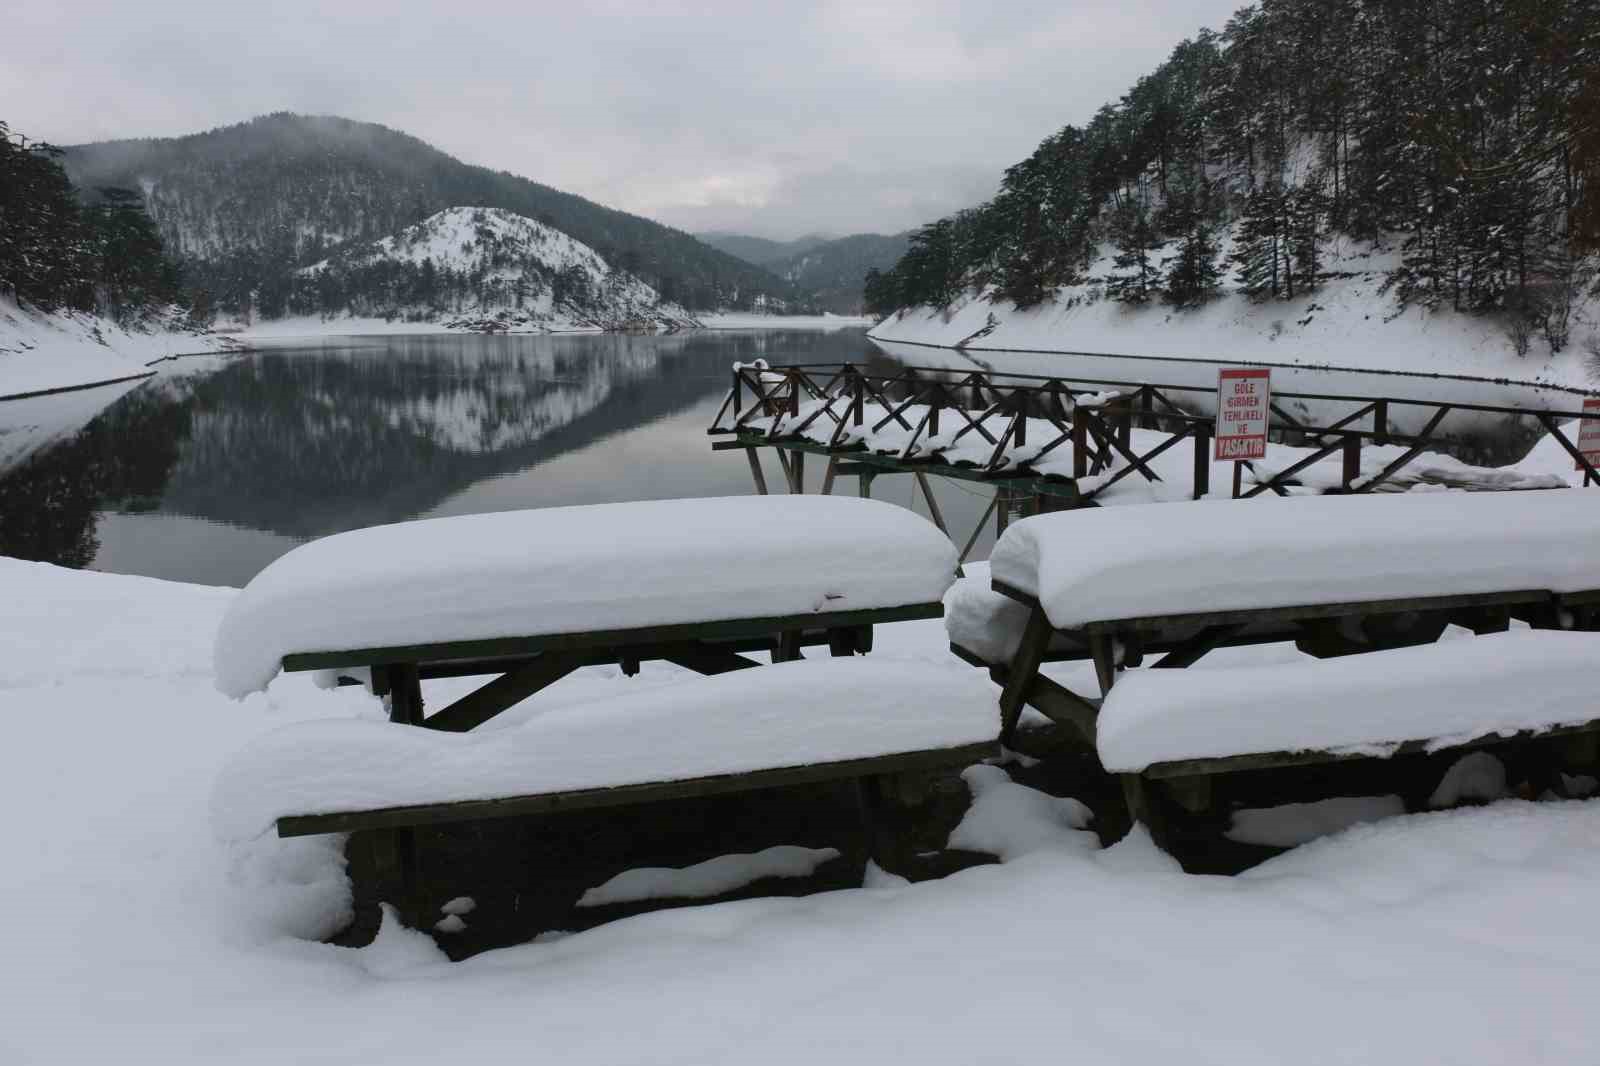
<point>532,596</point>
<point>878,725</point>
<point>1340,576</point>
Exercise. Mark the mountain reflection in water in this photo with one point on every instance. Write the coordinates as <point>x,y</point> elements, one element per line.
<point>208,477</point>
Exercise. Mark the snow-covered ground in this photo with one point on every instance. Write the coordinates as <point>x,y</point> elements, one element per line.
<point>1350,321</point>
<point>1462,936</point>
<point>42,352</point>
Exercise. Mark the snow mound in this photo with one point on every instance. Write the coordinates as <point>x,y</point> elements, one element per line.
<point>1451,693</point>
<point>788,714</point>
<point>710,878</point>
<point>1114,563</point>
<point>1009,820</point>
<point>580,569</point>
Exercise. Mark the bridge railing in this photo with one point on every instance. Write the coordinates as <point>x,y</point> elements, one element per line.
<point>1096,416</point>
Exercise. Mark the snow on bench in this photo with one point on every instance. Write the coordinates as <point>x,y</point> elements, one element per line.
<point>580,570</point>
<point>799,714</point>
<point>981,622</point>
<point>1118,564</point>
<point>1445,694</point>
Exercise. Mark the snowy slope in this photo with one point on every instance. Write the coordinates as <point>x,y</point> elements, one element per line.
<point>1351,320</point>
<point>42,352</point>
<point>520,274</point>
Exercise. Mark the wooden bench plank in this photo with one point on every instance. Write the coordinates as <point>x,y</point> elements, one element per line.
<point>547,803</point>
<point>509,647</point>
<point>1277,759</point>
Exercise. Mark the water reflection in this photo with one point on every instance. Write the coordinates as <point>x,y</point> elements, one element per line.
<point>209,477</point>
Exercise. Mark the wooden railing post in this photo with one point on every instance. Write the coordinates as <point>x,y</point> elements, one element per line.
<point>1352,461</point>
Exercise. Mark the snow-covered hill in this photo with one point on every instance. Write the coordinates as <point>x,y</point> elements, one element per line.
<point>484,268</point>
<point>1351,320</point>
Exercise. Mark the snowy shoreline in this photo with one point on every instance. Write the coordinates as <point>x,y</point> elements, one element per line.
<point>44,354</point>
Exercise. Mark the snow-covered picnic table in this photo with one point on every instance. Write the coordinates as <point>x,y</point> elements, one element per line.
<point>533,595</point>
<point>1337,575</point>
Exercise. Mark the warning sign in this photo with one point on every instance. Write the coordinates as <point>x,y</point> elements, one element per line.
<point>1589,432</point>
<point>1243,397</point>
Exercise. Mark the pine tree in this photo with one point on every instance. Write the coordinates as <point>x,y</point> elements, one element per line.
<point>1258,251</point>
<point>1135,238</point>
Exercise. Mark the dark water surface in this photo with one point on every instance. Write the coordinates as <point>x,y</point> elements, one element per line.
<point>208,474</point>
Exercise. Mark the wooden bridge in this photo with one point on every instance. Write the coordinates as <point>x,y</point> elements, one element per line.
<point>1053,443</point>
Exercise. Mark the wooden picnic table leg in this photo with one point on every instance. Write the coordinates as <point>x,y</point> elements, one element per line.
<point>403,686</point>
<point>788,649</point>
<point>886,844</point>
<point>1105,661</point>
<point>1024,667</point>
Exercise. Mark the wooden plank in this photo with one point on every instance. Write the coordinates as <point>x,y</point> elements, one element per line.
<point>651,792</point>
<point>756,471</point>
<point>1103,651</point>
<point>1064,706</point>
<point>1423,439</point>
<point>1554,429</point>
<point>1024,666</point>
<point>405,694</point>
<point>1196,647</point>
<point>707,659</point>
<point>1308,611</point>
<point>501,694</point>
<point>933,504</point>
<point>1274,759</point>
<point>689,632</point>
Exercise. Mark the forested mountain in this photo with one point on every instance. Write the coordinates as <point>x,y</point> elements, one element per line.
<point>827,271</point>
<point>1462,136</point>
<point>481,267</point>
<point>99,254</point>
<point>245,206</point>
<point>834,274</point>
<point>759,250</point>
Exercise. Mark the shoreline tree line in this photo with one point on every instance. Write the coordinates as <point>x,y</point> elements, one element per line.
<point>99,253</point>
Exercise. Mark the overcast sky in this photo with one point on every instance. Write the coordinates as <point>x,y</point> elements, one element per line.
<point>775,119</point>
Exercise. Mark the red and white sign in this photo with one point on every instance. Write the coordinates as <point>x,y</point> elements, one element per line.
<point>1589,432</point>
<point>1244,395</point>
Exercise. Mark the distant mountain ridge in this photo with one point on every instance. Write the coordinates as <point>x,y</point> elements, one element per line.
<point>245,206</point>
<point>828,271</point>
<point>483,268</point>
<point>761,251</point>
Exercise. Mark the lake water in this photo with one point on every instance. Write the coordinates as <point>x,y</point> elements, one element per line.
<point>207,474</point>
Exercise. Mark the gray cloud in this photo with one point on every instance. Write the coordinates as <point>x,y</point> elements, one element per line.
<point>774,119</point>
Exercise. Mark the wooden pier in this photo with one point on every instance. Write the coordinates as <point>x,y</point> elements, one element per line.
<point>1053,443</point>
